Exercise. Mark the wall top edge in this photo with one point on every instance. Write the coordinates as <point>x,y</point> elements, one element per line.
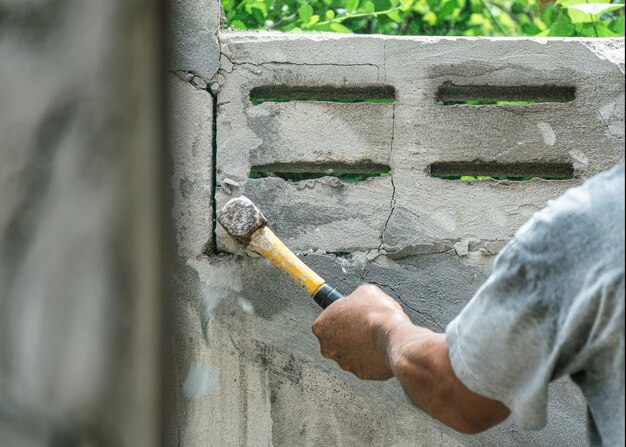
<point>244,36</point>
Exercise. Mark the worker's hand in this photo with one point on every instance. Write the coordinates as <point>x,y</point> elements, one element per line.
<point>352,332</point>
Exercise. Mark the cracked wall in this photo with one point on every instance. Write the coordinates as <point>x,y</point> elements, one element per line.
<point>426,241</point>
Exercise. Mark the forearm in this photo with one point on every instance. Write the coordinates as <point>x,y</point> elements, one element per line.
<point>368,334</point>
<point>418,357</point>
<point>411,356</point>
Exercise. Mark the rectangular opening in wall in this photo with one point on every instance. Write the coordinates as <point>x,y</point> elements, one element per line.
<point>283,93</point>
<point>347,173</point>
<point>478,170</point>
<point>452,94</point>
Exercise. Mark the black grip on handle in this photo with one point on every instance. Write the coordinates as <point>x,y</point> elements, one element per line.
<point>326,295</point>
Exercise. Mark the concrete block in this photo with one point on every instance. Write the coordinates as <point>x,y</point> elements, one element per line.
<point>319,209</point>
<point>190,116</point>
<point>413,208</point>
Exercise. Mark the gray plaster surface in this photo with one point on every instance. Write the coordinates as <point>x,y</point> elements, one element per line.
<point>190,118</point>
<point>275,389</point>
<point>193,36</point>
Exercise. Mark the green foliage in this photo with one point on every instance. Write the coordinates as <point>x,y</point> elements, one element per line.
<point>560,18</point>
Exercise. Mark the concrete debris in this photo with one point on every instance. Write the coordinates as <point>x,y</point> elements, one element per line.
<point>215,87</point>
<point>333,182</point>
<point>494,247</point>
<point>421,249</point>
<point>462,247</point>
<point>549,137</point>
<point>199,83</point>
<point>227,183</point>
<point>185,76</point>
<point>372,254</point>
<point>252,254</point>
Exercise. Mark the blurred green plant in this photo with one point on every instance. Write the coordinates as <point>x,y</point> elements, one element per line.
<point>560,18</point>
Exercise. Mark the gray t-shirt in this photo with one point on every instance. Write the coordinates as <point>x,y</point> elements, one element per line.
<point>554,306</point>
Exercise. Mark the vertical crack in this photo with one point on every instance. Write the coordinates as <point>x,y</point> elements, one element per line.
<point>213,173</point>
<point>393,186</point>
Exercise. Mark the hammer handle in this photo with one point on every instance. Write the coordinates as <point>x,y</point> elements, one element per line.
<point>267,244</point>
<point>326,295</point>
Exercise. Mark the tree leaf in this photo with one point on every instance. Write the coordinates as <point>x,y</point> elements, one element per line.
<point>549,14</point>
<point>568,3</point>
<point>604,31</point>
<point>238,24</point>
<point>395,16</point>
<point>260,6</point>
<point>406,5</point>
<point>430,18</point>
<point>586,30</point>
<point>563,27</point>
<point>352,5</point>
<point>305,12</point>
<point>596,8</point>
<point>339,28</point>
<point>579,16</point>
<point>447,8</point>
<point>476,19</point>
<point>618,26</point>
<point>369,7</point>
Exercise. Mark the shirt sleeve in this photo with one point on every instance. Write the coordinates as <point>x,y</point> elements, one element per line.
<point>531,321</point>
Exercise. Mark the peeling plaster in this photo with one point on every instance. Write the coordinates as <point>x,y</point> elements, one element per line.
<point>549,137</point>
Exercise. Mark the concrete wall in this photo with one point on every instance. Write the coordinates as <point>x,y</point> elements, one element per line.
<point>248,369</point>
<point>80,223</point>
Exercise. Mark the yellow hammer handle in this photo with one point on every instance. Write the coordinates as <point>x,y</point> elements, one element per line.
<point>267,244</point>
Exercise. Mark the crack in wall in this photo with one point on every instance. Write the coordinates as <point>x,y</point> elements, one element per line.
<point>299,64</point>
<point>393,186</point>
<point>214,247</point>
<point>403,302</point>
<point>199,84</point>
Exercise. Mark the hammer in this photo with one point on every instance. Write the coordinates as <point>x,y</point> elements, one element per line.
<point>246,224</point>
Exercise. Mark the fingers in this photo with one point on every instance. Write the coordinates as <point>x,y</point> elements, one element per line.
<point>318,331</point>
<point>317,327</point>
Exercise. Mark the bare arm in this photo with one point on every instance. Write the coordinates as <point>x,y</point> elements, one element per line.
<point>368,334</point>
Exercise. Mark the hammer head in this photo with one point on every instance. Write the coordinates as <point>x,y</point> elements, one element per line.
<point>241,218</point>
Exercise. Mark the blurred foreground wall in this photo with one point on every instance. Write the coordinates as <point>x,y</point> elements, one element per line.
<point>80,197</point>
